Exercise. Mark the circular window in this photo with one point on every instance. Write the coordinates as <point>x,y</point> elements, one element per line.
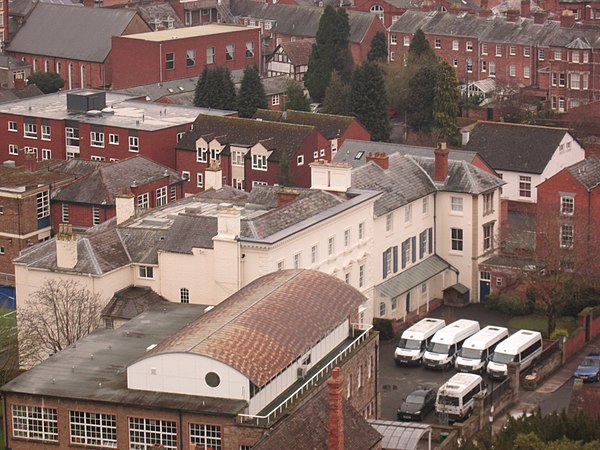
<point>212,379</point>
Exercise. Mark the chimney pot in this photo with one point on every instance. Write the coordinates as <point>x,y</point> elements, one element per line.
<point>512,15</point>
<point>525,8</point>
<point>380,158</point>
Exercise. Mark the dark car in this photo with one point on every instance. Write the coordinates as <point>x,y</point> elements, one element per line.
<point>417,405</point>
<point>589,368</point>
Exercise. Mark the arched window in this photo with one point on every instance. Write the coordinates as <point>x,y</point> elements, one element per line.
<point>82,77</point>
<point>377,9</point>
<point>184,295</point>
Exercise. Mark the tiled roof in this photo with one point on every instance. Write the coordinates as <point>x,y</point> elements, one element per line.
<point>298,52</point>
<point>515,147</point>
<point>22,8</point>
<point>587,172</point>
<point>286,138</point>
<point>261,329</point>
<point>161,12</point>
<point>71,32</point>
<point>18,177</point>
<point>330,126</point>
<point>102,185</point>
<point>308,425</point>
<point>189,232</point>
<point>131,302</point>
<point>275,85</point>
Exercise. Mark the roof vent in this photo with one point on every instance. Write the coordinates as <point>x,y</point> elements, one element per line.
<point>150,347</point>
<point>93,113</point>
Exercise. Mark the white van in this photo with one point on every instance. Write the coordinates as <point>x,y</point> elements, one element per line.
<point>476,351</point>
<point>523,347</point>
<point>444,345</point>
<point>414,340</point>
<point>455,397</point>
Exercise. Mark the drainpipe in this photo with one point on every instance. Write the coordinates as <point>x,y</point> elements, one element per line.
<point>160,78</point>
<point>180,431</point>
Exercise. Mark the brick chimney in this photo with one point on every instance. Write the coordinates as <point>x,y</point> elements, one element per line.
<point>539,17</point>
<point>484,4</point>
<point>19,83</point>
<point>30,162</point>
<point>567,19</point>
<point>285,196</point>
<point>125,207</point>
<point>213,176</point>
<point>427,6</point>
<point>485,12</point>
<point>66,247</point>
<point>526,8</point>
<point>335,422</point>
<point>441,163</point>
<point>512,15</point>
<point>380,158</point>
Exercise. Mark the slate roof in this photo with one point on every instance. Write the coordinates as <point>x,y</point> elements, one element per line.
<point>72,374</point>
<point>299,20</point>
<point>131,302</point>
<point>308,425</point>
<point>587,172</point>
<point>285,138</point>
<point>9,95</point>
<point>173,90</point>
<point>298,52</point>
<point>71,32</point>
<point>515,147</point>
<point>275,85</point>
<point>161,12</point>
<point>189,232</point>
<point>9,62</point>
<point>14,178</point>
<point>330,126</point>
<point>261,329</point>
<point>102,185</point>
<point>22,8</point>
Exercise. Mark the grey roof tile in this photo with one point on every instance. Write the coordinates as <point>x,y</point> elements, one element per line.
<point>161,12</point>
<point>587,172</point>
<point>189,232</point>
<point>131,302</point>
<point>330,126</point>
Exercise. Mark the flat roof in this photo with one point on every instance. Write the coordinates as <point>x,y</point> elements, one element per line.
<point>187,32</point>
<point>122,111</point>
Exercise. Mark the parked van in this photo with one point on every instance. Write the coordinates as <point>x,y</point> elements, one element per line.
<point>441,351</point>
<point>523,347</point>
<point>476,351</point>
<point>455,398</point>
<point>414,341</point>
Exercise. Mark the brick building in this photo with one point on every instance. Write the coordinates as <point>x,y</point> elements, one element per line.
<point>94,125</point>
<point>249,152</point>
<point>182,53</point>
<point>74,42</point>
<point>199,12</point>
<point>199,376</point>
<point>91,200</point>
<point>550,60</point>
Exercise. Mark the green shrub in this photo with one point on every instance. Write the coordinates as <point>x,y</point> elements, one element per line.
<point>510,304</point>
<point>559,332</point>
<point>385,328</point>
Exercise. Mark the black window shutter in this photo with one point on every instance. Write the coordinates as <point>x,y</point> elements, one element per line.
<point>404,254</point>
<point>413,244</point>
<point>385,268</point>
<point>395,258</point>
<point>430,240</point>
<point>421,244</point>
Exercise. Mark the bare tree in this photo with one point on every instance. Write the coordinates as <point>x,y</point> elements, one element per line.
<point>9,357</point>
<point>56,316</point>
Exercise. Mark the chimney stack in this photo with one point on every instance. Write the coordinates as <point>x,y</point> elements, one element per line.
<point>485,12</point>
<point>30,162</point>
<point>125,207</point>
<point>427,6</point>
<point>19,83</point>
<point>441,163</point>
<point>484,4</point>
<point>213,176</point>
<point>567,19</point>
<point>285,196</point>
<point>539,17</point>
<point>335,177</point>
<point>66,247</point>
<point>380,158</point>
<point>335,422</point>
<point>512,15</point>
<point>526,8</point>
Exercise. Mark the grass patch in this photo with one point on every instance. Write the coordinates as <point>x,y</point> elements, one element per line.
<point>538,322</point>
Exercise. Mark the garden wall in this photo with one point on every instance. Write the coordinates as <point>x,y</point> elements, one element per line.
<point>589,328</point>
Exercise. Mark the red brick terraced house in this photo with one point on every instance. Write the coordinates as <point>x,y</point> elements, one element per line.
<point>91,200</point>
<point>182,53</point>
<point>552,60</point>
<point>387,11</point>
<point>74,42</point>
<point>93,125</point>
<point>249,152</point>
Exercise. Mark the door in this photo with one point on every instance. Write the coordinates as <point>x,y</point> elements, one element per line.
<point>485,282</point>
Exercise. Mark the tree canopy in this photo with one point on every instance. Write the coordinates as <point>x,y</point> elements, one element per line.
<point>337,96</point>
<point>47,82</point>
<point>378,50</point>
<point>295,98</point>
<point>252,93</point>
<point>445,101</point>
<point>419,50</point>
<point>215,89</point>
<point>368,101</point>
<point>419,102</point>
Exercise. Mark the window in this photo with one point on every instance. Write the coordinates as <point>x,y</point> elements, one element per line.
<point>585,81</point>
<point>389,222</point>
<point>438,43</point>
<point>566,235</point>
<point>567,205</point>
<point>425,207</point>
<point>586,57</point>
<point>575,81</point>
<point>31,151</point>
<point>259,183</point>
<point>469,46</point>
<point>201,154</point>
<point>554,78</point>
<point>13,149</point>
<point>43,204</point>
<point>541,54</point>
<point>237,158</point>
<point>361,276</point>
<point>382,309</point>
<point>526,52</point>
<point>408,214</point>
<point>499,281</point>
<point>190,58</point>
<point>456,204</point>
<point>12,126</point>
<point>488,236</point>
<point>143,201</point>
<point>484,66</point>
<point>349,386</point>
<point>498,50</point>
<point>170,60</point>
<point>144,433</point>
<point>90,428</point>
<point>347,277</point>
<point>425,242</point>
<point>394,305</point>
<point>35,422</point>
<point>259,162</point>
<point>512,50</point>
<point>469,65</point>
<point>378,10</point>
<point>297,261</point>
<point>455,45</point>
<point>146,272</point>
<point>488,203</point>
<point>524,186</point>
<point>1,250</point>
<point>249,49</point>
<point>457,239</point>
<point>330,246</point>
<point>96,139</point>
<point>484,49</point>
<point>95,215</point>
<point>207,435</point>
<point>200,180</point>
<point>561,79</point>
<point>557,55</point>
<point>393,39</point>
<point>229,52</point>
<point>455,62</point>
<point>184,295</point>
<point>65,213</point>
<point>30,130</point>
<point>113,139</point>
<point>275,100</point>
<point>424,291</point>
<point>72,136</point>
<point>161,196</point>
<point>526,72</point>
<point>406,41</point>
<point>346,238</point>
<point>361,231</point>
<point>188,17</point>
<point>407,250</point>
<point>46,132</point>
<point>492,69</point>
<point>210,55</point>
<point>134,144</point>
<point>512,70</point>
<point>314,254</point>
<point>575,56</point>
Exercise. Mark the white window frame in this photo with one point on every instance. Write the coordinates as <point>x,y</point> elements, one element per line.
<point>200,180</point>
<point>331,246</point>
<point>92,428</point>
<point>456,204</point>
<point>389,222</point>
<point>524,186</point>
<point>43,204</point>
<point>259,162</point>
<point>314,254</point>
<point>13,149</point>
<point>12,126</point>
<point>96,215</point>
<point>113,139</point>
<point>275,100</point>
<point>65,212</point>
<point>457,241</point>
<point>143,201</point>
<point>30,130</point>
<point>46,133</point>
<point>142,430</point>
<point>567,205</point>
<point>210,55</point>
<point>34,422</point>
<point>134,144</point>
<point>146,272</point>
<point>208,435</point>
<point>97,139</point>
<point>566,235</point>
<point>162,197</point>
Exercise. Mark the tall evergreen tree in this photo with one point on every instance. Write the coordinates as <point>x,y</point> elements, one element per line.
<point>337,96</point>
<point>215,89</point>
<point>329,52</point>
<point>445,101</point>
<point>378,50</point>
<point>295,98</point>
<point>419,103</point>
<point>252,93</point>
<point>419,51</point>
<point>368,101</point>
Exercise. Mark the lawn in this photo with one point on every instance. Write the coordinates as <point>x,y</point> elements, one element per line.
<point>538,322</point>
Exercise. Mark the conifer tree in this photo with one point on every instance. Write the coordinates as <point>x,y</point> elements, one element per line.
<point>419,102</point>
<point>419,51</point>
<point>378,50</point>
<point>252,93</point>
<point>445,101</point>
<point>295,97</point>
<point>215,89</point>
<point>337,96</point>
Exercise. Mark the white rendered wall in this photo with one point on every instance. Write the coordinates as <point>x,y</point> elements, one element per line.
<point>193,272</point>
